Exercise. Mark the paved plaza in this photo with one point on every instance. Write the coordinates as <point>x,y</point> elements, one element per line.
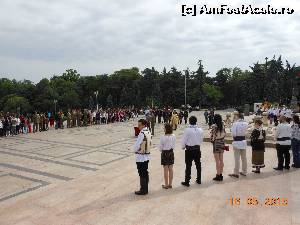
<point>87,176</point>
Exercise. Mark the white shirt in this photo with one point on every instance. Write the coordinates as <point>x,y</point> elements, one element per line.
<point>239,128</point>
<point>1,124</point>
<point>137,146</point>
<point>193,135</point>
<point>167,142</point>
<point>18,121</point>
<point>282,112</point>
<point>288,113</point>
<point>283,130</point>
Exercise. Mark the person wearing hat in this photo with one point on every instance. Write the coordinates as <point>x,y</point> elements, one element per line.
<point>238,130</point>
<point>282,136</point>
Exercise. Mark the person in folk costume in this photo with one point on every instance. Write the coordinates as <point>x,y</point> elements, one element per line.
<point>41,123</point>
<point>74,118</point>
<point>191,141</point>
<point>174,120</point>
<point>283,134</point>
<point>217,137</point>
<point>69,117</point>
<point>142,148</point>
<point>239,144</point>
<point>296,141</point>
<point>167,147</point>
<point>258,137</point>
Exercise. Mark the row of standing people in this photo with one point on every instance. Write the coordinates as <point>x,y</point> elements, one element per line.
<point>12,124</point>
<point>287,136</point>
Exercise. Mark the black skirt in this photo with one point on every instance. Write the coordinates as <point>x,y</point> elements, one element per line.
<point>167,157</point>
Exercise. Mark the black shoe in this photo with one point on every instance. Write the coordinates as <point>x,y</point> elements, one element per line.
<point>140,193</point>
<point>216,178</point>
<point>287,167</point>
<point>278,168</point>
<point>198,181</point>
<point>293,165</point>
<point>220,177</point>
<point>144,187</point>
<point>187,184</point>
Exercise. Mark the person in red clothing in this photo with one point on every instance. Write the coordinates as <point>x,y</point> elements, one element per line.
<point>51,121</point>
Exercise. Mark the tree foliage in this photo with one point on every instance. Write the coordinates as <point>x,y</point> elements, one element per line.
<point>273,80</point>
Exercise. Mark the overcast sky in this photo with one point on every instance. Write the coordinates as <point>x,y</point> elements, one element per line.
<point>39,38</point>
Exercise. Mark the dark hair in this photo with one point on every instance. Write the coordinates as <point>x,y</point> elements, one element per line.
<point>143,122</point>
<point>193,120</point>
<point>258,121</point>
<point>219,122</point>
<point>296,119</point>
<point>168,128</point>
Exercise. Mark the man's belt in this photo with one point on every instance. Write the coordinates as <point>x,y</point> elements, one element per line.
<point>195,147</point>
<point>239,138</point>
<point>284,139</point>
<point>148,153</point>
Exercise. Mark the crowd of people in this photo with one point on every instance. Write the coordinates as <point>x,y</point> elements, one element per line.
<point>287,137</point>
<point>12,124</point>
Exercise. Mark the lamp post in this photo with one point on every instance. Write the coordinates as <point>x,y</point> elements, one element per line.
<point>55,101</point>
<point>96,94</point>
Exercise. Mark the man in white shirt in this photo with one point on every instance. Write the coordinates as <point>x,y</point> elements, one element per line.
<point>142,157</point>
<point>238,130</point>
<point>191,141</point>
<point>288,115</point>
<point>282,136</point>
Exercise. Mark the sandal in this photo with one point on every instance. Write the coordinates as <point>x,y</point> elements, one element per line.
<point>164,186</point>
<point>170,186</point>
<point>243,174</point>
<point>234,175</point>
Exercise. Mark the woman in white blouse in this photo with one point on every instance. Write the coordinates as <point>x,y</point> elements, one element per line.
<point>166,146</point>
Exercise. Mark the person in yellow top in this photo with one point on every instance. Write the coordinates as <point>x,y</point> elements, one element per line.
<point>174,120</point>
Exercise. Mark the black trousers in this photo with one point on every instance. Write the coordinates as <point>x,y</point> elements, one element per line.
<point>190,156</point>
<point>275,120</point>
<point>142,168</point>
<point>185,120</point>
<point>283,155</point>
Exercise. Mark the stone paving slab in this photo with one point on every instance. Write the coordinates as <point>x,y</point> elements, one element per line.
<point>87,176</point>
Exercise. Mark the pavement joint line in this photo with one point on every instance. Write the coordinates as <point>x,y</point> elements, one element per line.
<point>100,164</point>
<point>42,184</point>
<point>56,142</point>
<point>38,172</point>
<point>50,161</point>
<point>97,148</point>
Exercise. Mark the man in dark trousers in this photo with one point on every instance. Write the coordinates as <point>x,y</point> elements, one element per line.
<point>191,141</point>
<point>185,115</point>
<point>142,151</point>
<point>283,135</point>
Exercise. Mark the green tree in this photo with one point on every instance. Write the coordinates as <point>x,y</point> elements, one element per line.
<point>213,93</point>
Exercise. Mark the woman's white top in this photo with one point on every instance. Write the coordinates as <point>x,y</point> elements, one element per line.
<point>167,142</point>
